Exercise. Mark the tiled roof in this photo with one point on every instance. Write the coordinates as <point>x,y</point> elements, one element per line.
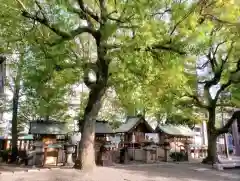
<point>103,127</point>
<point>176,130</point>
<point>54,128</point>
<point>130,123</point>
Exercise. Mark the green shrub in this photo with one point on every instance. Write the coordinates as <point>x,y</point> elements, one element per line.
<point>178,156</point>
<point>5,154</point>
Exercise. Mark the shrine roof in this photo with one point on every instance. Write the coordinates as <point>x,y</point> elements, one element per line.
<point>103,127</point>
<point>131,123</point>
<point>48,127</point>
<point>175,130</point>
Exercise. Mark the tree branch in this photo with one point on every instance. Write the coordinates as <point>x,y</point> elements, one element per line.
<point>152,48</point>
<point>203,66</point>
<point>218,72</point>
<point>63,34</point>
<point>103,10</point>
<point>166,48</point>
<point>213,51</point>
<point>87,11</point>
<point>225,128</point>
<point>193,8</point>
<point>197,101</point>
<point>229,82</point>
<point>162,13</point>
<point>230,105</point>
<point>216,19</point>
<point>222,88</point>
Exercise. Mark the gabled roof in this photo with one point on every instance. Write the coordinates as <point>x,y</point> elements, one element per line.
<point>175,130</point>
<point>48,127</point>
<point>103,127</point>
<point>131,123</point>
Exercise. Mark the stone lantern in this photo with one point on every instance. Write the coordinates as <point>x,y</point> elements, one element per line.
<point>188,150</point>
<point>69,150</point>
<point>166,149</point>
<point>204,151</point>
<point>38,156</point>
<point>74,140</point>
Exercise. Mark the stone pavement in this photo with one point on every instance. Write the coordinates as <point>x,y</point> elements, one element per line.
<point>147,172</point>
<point>231,162</point>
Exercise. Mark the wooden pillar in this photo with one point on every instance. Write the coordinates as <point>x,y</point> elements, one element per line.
<point>166,149</point>
<point>20,144</point>
<point>25,145</point>
<point>28,144</point>
<point>45,156</point>
<point>8,145</point>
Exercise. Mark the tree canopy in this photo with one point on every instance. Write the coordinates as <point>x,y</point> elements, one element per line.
<point>146,51</point>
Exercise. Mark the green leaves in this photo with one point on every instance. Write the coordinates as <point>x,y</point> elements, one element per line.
<point>145,72</point>
<point>108,30</point>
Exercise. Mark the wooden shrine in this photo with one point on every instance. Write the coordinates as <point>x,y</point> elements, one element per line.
<point>134,141</point>
<point>51,134</point>
<point>134,130</point>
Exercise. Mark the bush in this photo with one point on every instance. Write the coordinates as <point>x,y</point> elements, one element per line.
<point>178,156</point>
<point>5,155</point>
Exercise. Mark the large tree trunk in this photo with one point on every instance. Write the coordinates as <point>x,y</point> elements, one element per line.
<point>212,150</point>
<point>16,91</point>
<point>2,82</point>
<point>14,152</point>
<point>86,158</point>
<point>212,138</point>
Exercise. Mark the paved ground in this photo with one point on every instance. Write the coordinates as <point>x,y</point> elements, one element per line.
<point>161,172</point>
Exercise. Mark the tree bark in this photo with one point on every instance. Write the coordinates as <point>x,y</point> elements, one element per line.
<point>212,150</point>
<point>14,152</point>
<point>2,82</point>
<point>86,158</point>
<point>212,138</point>
<point>14,131</point>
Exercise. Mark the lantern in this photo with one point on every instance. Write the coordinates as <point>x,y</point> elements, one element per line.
<point>166,144</point>
<point>69,148</point>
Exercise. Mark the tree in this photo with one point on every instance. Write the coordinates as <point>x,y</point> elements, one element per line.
<point>217,40</point>
<point>220,58</point>
<point>2,84</point>
<point>13,46</point>
<point>47,88</point>
<point>15,103</point>
<point>127,34</point>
